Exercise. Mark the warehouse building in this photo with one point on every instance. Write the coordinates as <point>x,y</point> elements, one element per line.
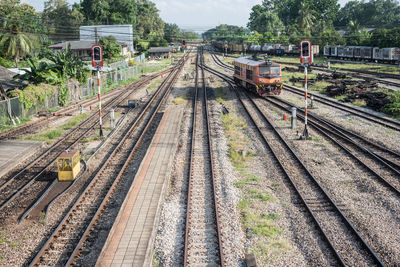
<point>160,52</point>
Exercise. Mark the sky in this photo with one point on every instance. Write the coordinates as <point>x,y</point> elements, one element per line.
<point>197,15</point>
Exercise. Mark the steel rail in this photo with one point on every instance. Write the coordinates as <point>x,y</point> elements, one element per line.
<point>392,124</point>
<point>192,163</point>
<point>12,133</point>
<point>326,132</point>
<point>347,222</point>
<point>125,137</point>
<point>90,226</point>
<point>395,125</point>
<point>346,135</point>
<point>210,148</point>
<point>56,146</point>
<point>219,62</point>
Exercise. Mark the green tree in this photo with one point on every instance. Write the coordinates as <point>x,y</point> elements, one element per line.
<point>373,13</point>
<point>263,19</point>
<point>190,35</point>
<point>225,32</point>
<point>95,11</point>
<point>306,16</point>
<point>172,33</point>
<point>21,25</point>
<point>15,43</point>
<point>67,65</point>
<point>62,22</point>
<point>111,49</point>
<point>123,12</point>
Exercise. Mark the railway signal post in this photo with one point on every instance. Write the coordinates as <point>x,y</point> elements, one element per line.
<point>306,58</point>
<point>97,62</point>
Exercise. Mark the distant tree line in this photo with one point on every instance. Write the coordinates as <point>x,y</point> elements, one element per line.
<point>369,23</point>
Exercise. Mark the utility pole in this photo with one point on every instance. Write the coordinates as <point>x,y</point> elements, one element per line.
<point>306,58</point>
<point>96,36</point>
<point>99,96</point>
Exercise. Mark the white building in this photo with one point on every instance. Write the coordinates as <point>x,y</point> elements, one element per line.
<point>123,33</point>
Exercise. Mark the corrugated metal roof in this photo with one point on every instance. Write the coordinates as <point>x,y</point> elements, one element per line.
<point>6,79</point>
<point>160,49</point>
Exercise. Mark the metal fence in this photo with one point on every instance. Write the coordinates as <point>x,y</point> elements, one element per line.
<point>76,92</point>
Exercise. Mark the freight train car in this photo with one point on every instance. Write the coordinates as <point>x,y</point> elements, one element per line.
<point>267,48</point>
<point>258,75</point>
<point>364,53</point>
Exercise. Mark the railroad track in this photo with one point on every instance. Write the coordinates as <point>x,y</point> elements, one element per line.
<point>31,173</point>
<point>380,161</point>
<point>203,244</point>
<point>357,74</point>
<point>346,244</point>
<point>64,245</point>
<point>33,126</point>
<point>389,123</point>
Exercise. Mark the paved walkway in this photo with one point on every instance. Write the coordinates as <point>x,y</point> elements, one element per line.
<point>130,241</point>
<point>13,152</point>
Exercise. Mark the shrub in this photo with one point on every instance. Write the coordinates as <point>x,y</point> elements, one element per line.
<point>34,93</point>
<point>394,106</point>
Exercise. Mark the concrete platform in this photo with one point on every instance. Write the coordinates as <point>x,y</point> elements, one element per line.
<point>130,241</point>
<point>12,152</point>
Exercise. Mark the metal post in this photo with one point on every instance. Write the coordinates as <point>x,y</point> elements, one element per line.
<point>294,117</point>
<point>312,101</point>
<point>305,133</point>
<point>99,95</point>
<point>112,120</point>
<point>10,111</point>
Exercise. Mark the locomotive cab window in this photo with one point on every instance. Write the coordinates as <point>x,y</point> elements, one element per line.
<point>237,70</point>
<point>268,71</point>
<point>249,74</point>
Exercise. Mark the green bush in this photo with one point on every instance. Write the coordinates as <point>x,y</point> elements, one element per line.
<point>34,93</point>
<point>63,95</point>
<point>6,63</point>
<point>394,106</point>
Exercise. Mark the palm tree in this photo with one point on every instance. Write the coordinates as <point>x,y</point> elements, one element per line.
<point>15,43</point>
<point>306,16</point>
<point>353,26</point>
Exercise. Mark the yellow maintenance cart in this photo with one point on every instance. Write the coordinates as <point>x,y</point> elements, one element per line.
<point>68,165</point>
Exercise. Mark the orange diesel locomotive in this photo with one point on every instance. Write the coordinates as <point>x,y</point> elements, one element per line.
<point>258,75</point>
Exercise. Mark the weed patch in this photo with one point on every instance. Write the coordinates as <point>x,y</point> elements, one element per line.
<point>319,86</point>
<point>180,100</point>
<point>14,245</point>
<point>50,135</point>
<point>248,179</point>
<point>393,107</point>
<point>255,194</point>
<point>340,97</point>
<point>359,102</point>
<point>220,95</point>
